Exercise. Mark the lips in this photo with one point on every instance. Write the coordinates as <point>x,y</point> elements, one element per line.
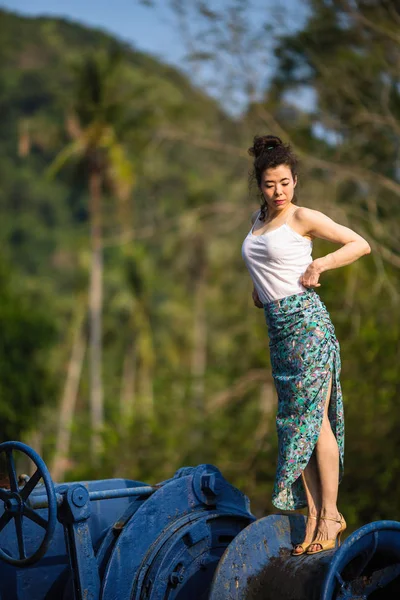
<point>279,201</point>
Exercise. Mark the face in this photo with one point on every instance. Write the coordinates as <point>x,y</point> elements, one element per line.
<point>277,186</point>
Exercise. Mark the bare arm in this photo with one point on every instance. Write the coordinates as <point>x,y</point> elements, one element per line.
<point>254,294</point>
<point>315,223</point>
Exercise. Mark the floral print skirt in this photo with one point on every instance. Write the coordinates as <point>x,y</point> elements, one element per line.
<point>304,354</point>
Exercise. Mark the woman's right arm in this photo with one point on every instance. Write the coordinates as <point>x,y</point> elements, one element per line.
<point>256,299</point>
<point>254,295</point>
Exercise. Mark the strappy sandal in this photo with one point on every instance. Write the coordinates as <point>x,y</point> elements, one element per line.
<point>303,545</point>
<point>329,544</point>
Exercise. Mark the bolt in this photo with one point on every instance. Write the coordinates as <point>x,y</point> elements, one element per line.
<point>175,578</point>
<point>13,505</point>
<point>203,564</point>
<point>211,484</point>
<point>80,496</point>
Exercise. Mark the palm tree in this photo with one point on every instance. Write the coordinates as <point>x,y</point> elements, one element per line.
<point>132,303</point>
<point>94,125</point>
<point>70,393</point>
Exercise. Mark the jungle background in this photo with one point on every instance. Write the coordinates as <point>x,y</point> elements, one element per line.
<point>130,345</point>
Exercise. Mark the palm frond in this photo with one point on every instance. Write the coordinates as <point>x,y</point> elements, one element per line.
<point>73,150</point>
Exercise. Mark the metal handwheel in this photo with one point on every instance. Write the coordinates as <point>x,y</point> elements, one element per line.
<point>16,506</point>
<point>366,565</point>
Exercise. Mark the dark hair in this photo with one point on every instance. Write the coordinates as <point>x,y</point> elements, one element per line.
<point>269,151</point>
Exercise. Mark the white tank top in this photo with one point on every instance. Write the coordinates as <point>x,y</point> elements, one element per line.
<point>276,260</point>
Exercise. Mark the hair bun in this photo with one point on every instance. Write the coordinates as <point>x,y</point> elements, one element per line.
<point>264,143</point>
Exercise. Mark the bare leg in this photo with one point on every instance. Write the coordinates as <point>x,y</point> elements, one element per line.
<point>327,458</point>
<point>312,488</point>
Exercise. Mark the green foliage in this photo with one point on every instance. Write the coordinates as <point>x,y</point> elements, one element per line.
<point>27,338</point>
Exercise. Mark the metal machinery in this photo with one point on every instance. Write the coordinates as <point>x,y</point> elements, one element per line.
<point>191,537</point>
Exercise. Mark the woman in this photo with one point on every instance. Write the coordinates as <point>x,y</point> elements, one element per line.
<point>305,354</point>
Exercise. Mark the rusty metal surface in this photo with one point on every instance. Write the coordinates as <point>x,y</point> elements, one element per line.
<point>258,564</point>
<point>283,579</point>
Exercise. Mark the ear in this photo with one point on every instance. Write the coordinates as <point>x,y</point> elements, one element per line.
<point>295,181</point>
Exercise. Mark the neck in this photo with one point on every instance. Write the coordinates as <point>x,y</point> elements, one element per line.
<point>273,213</point>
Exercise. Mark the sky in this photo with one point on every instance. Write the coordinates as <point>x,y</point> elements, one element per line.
<point>152,30</point>
<point>145,28</point>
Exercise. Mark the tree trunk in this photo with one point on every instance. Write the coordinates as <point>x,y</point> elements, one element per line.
<point>145,359</point>
<point>199,351</point>
<point>34,440</point>
<point>95,315</point>
<point>199,269</point>
<point>24,138</point>
<point>146,389</point>
<point>68,401</point>
<point>127,396</point>
<point>146,362</point>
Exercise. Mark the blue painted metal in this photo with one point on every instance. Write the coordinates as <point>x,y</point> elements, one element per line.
<point>258,564</point>
<point>186,502</point>
<point>145,491</point>
<point>74,515</point>
<point>187,538</point>
<point>51,575</point>
<point>16,507</point>
<point>124,539</point>
<point>367,562</point>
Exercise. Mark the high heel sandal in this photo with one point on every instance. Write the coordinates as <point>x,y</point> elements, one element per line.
<point>329,544</point>
<point>303,545</point>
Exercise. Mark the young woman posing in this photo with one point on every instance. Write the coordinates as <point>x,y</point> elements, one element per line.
<point>305,353</point>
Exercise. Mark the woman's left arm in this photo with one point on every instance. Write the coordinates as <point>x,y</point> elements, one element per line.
<point>315,223</point>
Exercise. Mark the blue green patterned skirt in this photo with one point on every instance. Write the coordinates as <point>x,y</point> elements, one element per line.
<point>304,354</point>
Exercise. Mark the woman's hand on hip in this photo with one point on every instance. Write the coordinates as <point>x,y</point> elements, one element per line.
<point>256,299</point>
<point>311,276</point>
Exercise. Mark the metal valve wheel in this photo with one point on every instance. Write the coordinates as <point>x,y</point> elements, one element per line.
<point>16,505</point>
<point>367,565</point>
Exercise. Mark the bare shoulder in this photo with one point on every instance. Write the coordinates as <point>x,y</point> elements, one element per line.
<point>316,224</point>
<point>254,216</point>
<point>313,221</point>
<point>305,215</point>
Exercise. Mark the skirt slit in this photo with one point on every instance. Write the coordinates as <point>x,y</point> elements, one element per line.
<point>305,355</point>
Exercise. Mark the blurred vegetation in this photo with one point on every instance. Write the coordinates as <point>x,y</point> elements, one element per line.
<point>185,371</point>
